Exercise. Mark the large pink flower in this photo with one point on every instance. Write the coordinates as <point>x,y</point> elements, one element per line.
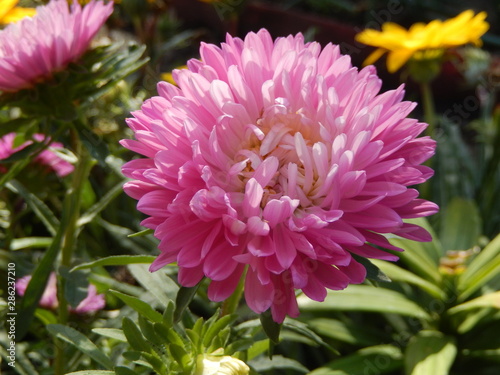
<point>47,157</point>
<point>33,48</point>
<point>281,159</point>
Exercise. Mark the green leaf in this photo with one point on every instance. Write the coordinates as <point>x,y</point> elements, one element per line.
<point>399,274</point>
<point>92,372</point>
<point>157,283</point>
<point>304,330</point>
<point>29,242</point>
<point>372,271</point>
<point>142,233</point>
<point>117,260</point>
<point>39,208</point>
<point>147,329</point>
<point>184,298</point>
<point>76,285</point>
<point>81,342</point>
<point>141,307</point>
<point>430,352</point>
<point>93,211</point>
<point>484,267</point>
<point>180,355</point>
<point>365,298</point>
<point>120,370</point>
<point>278,362</point>
<point>216,327</point>
<point>271,328</point>
<point>112,333</point>
<point>487,300</point>
<point>374,360</point>
<point>351,333</point>
<point>134,336</point>
<point>459,231</point>
<point>37,285</point>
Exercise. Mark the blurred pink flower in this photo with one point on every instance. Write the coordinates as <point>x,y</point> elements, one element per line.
<point>46,157</point>
<point>93,302</point>
<point>279,156</point>
<point>33,48</point>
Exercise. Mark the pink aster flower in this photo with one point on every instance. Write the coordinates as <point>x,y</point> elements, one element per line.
<point>92,303</point>
<point>281,160</point>
<point>47,157</point>
<point>34,48</point>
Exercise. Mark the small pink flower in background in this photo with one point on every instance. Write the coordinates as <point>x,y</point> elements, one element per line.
<point>49,297</point>
<point>93,302</point>
<point>34,48</point>
<point>47,157</point>
<point>281,160</point>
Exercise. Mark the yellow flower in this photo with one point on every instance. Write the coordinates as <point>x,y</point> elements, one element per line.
<point>220,365</point>
<point>423,41</point>
<point>9,13</point>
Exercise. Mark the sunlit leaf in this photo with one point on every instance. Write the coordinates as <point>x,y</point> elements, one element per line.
<point>365,298</point>
<point>430,352</point>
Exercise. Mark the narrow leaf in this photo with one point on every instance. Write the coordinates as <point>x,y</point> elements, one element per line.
<point>39,208</point>
<point>29,242</point>
<point>399,274</point>
<point>81,342</point>
<point>271,328</point>
<point>184,298</point>
<point>484,267</point>
<point>117,260</point>
<point>141,307</point>
<point>93,211</point>
<point>459,231</point>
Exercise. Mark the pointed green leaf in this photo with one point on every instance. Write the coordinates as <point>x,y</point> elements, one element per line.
<point>216,327</point>
<point>157,283</point>
<point>112,333</point>
<point>39,208</point>
<point>399,274</point>
<point>184,298</point>
<point>93,211</point>
<point>351,333</point>
<point>430,352</point>
<point>271,328</point>
<point>117,260</point>
<point>134,336</point>
<point>365,298</point>
<point>81,342</point>
<point>140,306</point>
<point>29,242</point>
<point>372,271</point>
<point>487,300</point>
<point>459,231</point>
<point>484,267</point>
<point>92,372</point>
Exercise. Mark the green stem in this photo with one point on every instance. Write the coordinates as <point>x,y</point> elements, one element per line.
<point>71,213</point>
<point>429,109</point>
<point>230,305</point>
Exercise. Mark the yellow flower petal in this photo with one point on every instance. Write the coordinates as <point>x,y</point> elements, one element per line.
<point>6,7</point>
<point>17,14</point>
<point>374,56</point>
<point>396,59</point>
